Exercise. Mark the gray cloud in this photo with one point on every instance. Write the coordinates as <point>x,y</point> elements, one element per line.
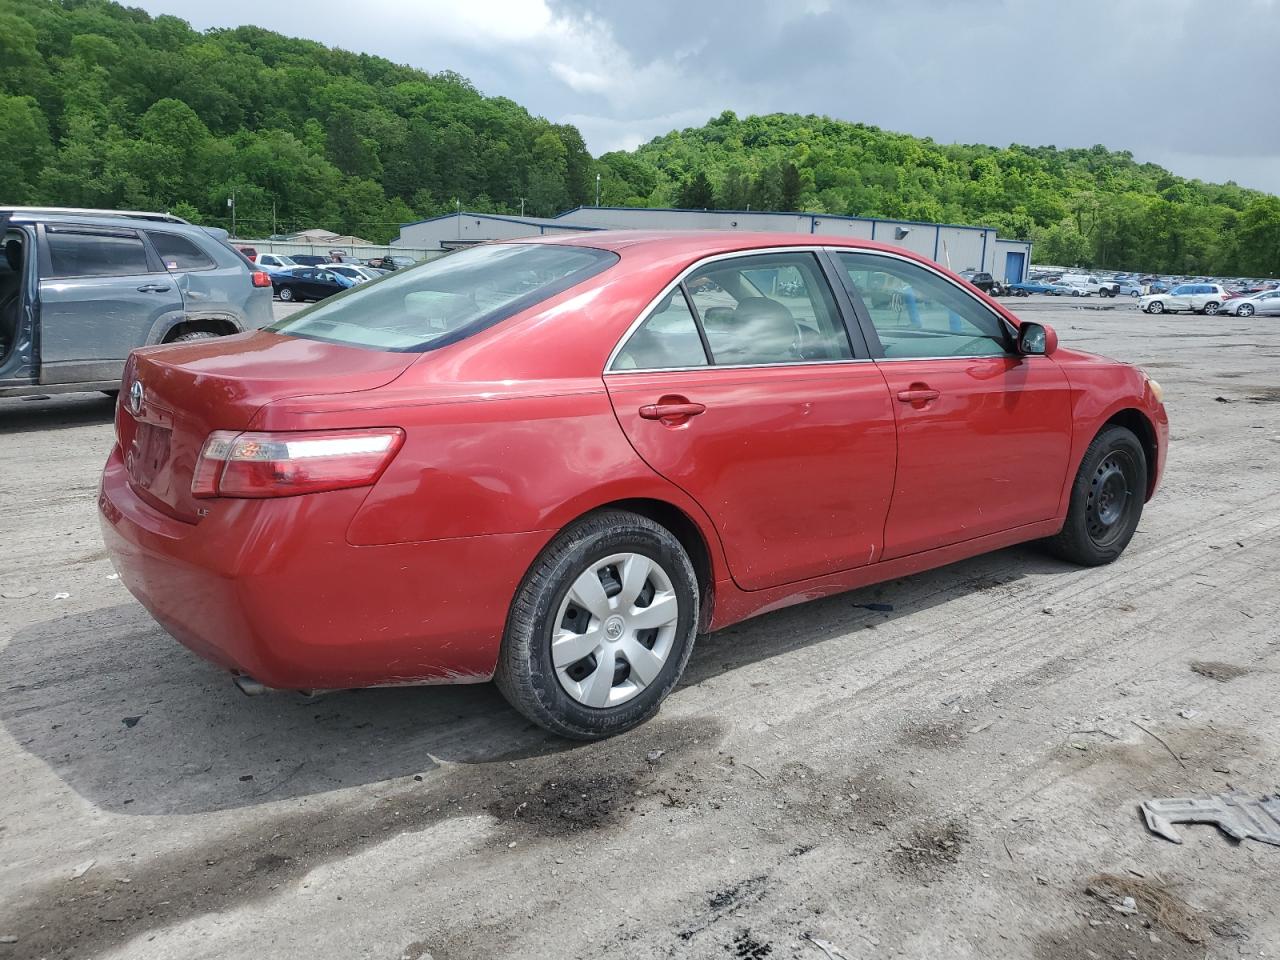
<point>1191,84</point>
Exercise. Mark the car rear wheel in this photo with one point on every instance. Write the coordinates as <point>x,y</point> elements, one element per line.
<point>1106,500</point>
<point>1211,308</point>
<point>601,628</point>
<point>1155,306</point>
<point>286,294</point>
<point>1245,310</point>
<point>194,335</point>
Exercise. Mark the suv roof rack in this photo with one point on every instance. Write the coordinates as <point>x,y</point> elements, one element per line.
<point>90,211</point>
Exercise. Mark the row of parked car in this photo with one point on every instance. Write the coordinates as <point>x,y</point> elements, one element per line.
<point>306,276</point>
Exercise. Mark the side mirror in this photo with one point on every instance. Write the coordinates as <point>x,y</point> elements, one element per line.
<point>1036,339</point>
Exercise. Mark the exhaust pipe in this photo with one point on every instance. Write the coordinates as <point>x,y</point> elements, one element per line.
<point>249,686</point>
<point>254,688</point>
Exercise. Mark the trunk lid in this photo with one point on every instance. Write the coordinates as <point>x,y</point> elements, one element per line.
<point>173,397</point>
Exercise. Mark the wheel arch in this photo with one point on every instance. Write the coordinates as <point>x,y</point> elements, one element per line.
<point>219,324</point>
<point>1137,423</point>
<point>684,528</point>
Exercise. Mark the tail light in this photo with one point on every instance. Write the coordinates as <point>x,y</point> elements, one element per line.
<point>259,465</point>
<point>261,278</point>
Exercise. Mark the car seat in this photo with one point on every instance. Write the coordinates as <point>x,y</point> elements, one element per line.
<point>760,330</point>
<point>10,294</point>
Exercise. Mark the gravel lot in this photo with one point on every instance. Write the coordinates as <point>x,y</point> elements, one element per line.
<point>945,779</point>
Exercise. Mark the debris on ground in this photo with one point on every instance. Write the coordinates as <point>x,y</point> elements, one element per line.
<point>875,607</point>
<point>826,946</point>
<point>1188,713</point>
<point>130,722</point>
<point>1238,815</point>
<point>82,868</point>
<point>1135,895</point>
<point>62,595</point>
<point>653,756</point>
<point>1216,670</point>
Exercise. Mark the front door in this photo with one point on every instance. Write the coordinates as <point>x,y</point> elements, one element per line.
<point>984,434</point>
<point>1013,264</point>
<point>743,388</point>
<point>101,295</point>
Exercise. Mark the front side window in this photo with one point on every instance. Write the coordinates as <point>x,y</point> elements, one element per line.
<point>179,253</point>
<point>74,253</point>
<point>447,299</point>
<point>918,314</point>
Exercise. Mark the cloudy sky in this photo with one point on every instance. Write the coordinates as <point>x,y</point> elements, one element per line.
<point>1190,84</point>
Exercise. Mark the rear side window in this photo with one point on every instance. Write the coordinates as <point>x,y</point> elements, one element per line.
<point>447,299</point>
<point>668,338</point>
<point>74,253</point>
<point>179,253</point>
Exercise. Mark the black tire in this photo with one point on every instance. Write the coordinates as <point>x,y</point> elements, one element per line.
<point>525,673</point>
<point>1155,306</point>
<point>195,335</point>
<point>1245,310</point>
<point>286,294</point>
<point>1106,500</point>
<point>1210,308</point>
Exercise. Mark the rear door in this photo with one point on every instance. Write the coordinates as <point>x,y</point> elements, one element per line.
<point>984,434</point>
<point>102,292</point>
<point>742,387</point>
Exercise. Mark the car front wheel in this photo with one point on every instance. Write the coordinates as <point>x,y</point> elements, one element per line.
<point>1245,310</point>
<point>601,628</point>
<point>1155,306</point>
<point>1106,500</point>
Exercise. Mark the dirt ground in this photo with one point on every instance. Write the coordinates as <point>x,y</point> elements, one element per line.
<point>947,778</point>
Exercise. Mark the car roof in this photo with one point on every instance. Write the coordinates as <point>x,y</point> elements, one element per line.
<point>18,215</point>
<point>700,243</point>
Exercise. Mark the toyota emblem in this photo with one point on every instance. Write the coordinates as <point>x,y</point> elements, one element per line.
<point>135,397</point>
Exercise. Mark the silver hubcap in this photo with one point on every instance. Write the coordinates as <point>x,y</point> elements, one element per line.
<point>614,630</point>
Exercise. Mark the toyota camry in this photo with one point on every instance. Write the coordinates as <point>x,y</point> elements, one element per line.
<point>554,463</point>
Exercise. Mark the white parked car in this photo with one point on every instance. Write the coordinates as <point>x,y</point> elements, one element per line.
<point>272,262</point>
<point>1086,283</point>
<point>1199,297</point>
<point>1266,303</point>
<point>353,271</point>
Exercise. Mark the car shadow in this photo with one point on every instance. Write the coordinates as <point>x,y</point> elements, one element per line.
<point>58,412</point>
<point>134,723</point>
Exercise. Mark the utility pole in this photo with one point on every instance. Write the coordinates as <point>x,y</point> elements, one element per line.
<point>522,200</point>
<point>457,204</point>
<point>273,219</point>
<point>597,189</point>
<point>231,202</point>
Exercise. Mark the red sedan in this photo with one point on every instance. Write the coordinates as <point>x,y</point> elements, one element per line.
<point>554,463</point>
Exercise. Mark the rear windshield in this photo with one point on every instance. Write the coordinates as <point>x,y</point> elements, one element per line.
<point>448,299</point>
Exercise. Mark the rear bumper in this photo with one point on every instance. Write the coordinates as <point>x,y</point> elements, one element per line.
<point>272,588</point>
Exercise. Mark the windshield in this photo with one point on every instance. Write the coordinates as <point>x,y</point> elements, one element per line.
<point>443,301</point>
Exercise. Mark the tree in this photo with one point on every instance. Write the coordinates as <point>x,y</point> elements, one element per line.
<point>24,147</point>
<point>1259,237</point>
<point>696,193</point>
<point>791,186</point>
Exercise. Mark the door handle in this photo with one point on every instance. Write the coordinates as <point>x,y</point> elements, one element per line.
<point>918,393</point>
<point>671,410</point>
<point>152,288</point>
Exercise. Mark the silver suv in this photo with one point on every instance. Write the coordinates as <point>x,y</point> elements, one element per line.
<point>79,289</point>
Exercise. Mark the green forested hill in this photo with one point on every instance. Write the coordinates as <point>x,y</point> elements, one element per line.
<point>103,105</point>
<point>1091,206</point>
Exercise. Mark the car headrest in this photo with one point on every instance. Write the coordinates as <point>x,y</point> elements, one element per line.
<point>13,254</point>
<point>762,331</point>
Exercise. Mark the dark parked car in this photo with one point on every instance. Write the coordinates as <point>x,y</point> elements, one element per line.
<point>309,259</point>
<point>984,282</point>
<point>308,283</point>
<point>391,263</point>
<point>79,289</point>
